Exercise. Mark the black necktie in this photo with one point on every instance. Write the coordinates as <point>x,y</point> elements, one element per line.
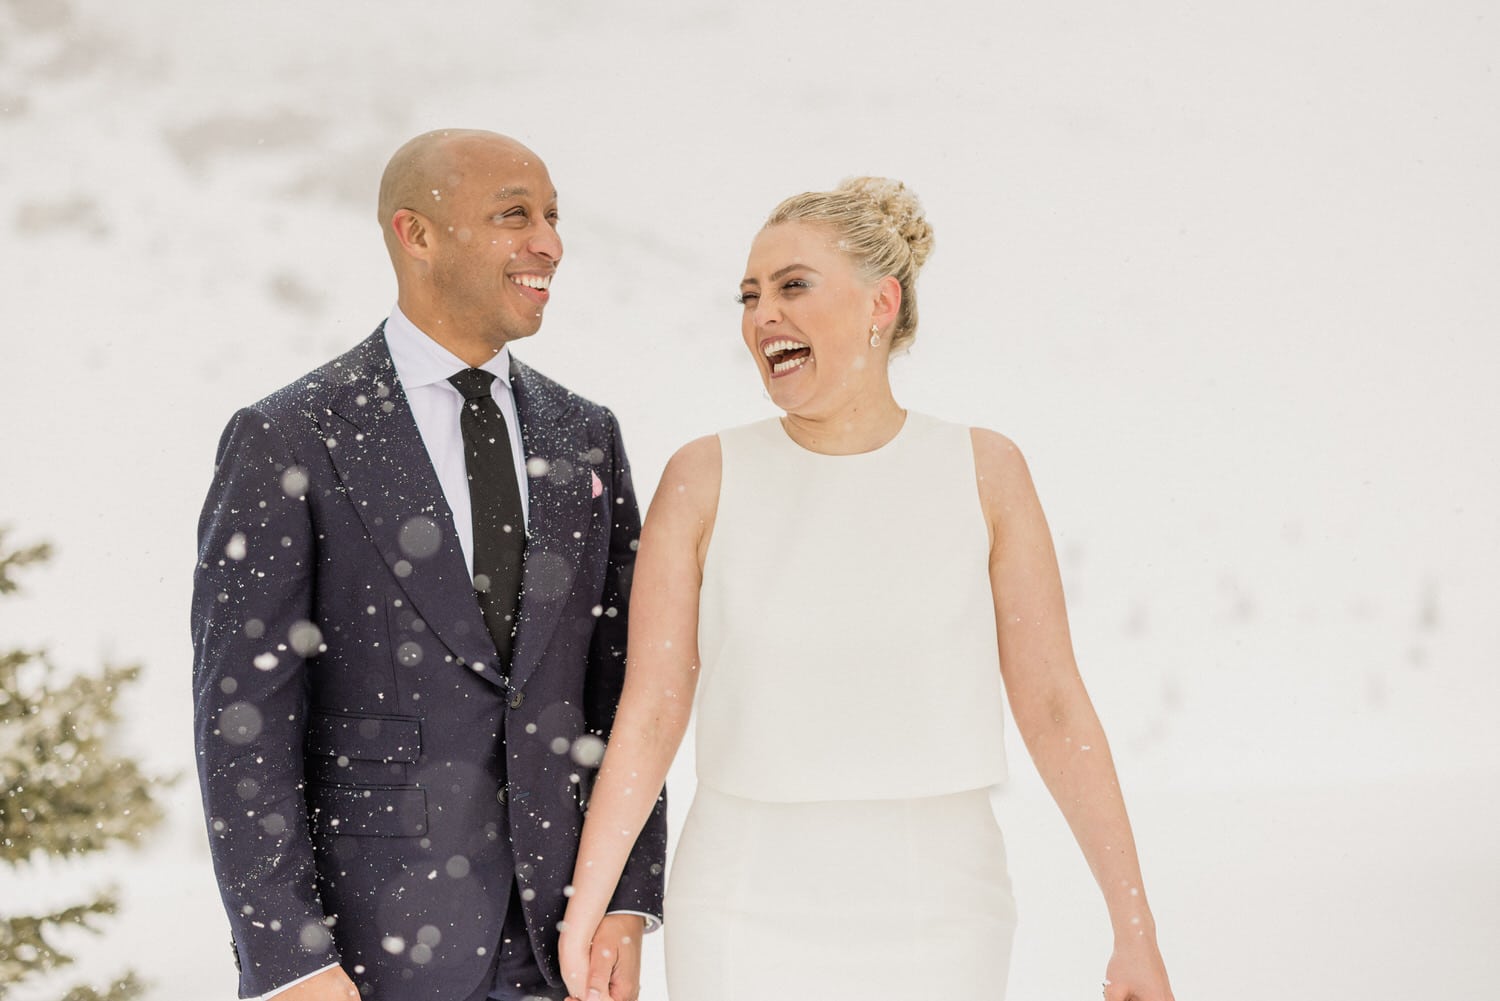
<point>495,501</point>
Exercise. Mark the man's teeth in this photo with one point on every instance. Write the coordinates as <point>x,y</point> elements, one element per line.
<point>789,364</point>
<point>533,281</point>
<point>776,347</point>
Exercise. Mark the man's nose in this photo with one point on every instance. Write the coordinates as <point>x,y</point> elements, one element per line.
<point>545,242</point>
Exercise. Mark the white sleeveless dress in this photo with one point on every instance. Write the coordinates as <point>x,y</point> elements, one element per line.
<point>849,728</point>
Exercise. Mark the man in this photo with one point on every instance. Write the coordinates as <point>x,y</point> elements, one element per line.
<point>409,624</point>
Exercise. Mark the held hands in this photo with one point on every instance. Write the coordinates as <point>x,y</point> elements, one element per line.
<point>607,965</point>
<point>333,984</point>
<point>1136,973</point>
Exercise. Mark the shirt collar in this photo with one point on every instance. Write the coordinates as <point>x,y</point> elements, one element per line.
<point>422,361</point>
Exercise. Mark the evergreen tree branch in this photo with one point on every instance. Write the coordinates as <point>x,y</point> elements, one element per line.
<point>15,559</point>
<point>127,988</point>
<point>66,793</point>
<point>24,947</point>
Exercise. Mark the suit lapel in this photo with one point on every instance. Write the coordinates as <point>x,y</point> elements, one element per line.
<point>559,503</point>
<point>378,452</point>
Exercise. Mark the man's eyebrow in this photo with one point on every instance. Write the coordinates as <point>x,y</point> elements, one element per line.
<point>782,273</point>
<point>519,191</point>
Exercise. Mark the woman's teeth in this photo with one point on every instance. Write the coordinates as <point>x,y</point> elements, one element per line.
<point>785,355</point>
<point>780,347</point>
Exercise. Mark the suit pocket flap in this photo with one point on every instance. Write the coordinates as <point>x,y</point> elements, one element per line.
<point>368,738</point>
<point>373,811</point>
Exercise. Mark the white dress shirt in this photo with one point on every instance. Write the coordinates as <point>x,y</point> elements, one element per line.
<point>423,366</point>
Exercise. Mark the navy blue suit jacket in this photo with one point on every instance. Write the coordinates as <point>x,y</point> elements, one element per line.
<point>373,782</point>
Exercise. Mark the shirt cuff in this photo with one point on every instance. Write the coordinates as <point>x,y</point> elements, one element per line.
<point>288,986</point>
<point>652,921</point>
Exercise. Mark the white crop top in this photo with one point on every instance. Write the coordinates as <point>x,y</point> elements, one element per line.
<point>846,621</point>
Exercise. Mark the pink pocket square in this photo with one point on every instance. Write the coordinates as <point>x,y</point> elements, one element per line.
<point>598,487</point>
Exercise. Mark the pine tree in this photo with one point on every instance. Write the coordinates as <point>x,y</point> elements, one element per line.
<point>67,794</point>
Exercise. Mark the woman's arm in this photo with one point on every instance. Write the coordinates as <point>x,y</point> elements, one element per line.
<point>1054,715</point>
<point>661,675</point>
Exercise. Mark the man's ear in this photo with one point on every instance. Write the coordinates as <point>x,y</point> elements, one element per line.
<point>886,304</point>
<point>413,232</point>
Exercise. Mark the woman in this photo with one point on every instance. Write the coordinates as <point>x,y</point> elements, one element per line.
<point>843,589</point>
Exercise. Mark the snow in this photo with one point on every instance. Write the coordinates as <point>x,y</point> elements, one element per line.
<point>1225,272</point>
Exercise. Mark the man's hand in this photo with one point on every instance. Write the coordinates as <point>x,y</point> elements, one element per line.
<point>1136,973</point>
<point>615,959</point>
<point>333,984</point>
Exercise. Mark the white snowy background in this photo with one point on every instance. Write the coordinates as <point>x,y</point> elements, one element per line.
<point>1226,271</point>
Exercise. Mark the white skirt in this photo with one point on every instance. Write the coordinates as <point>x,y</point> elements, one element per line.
<point>874,900</point>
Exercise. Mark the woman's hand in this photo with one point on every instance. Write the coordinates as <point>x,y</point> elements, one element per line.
<point>1136,973</point>
<point>573,955</point>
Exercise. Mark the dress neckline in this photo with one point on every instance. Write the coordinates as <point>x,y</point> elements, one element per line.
<point>906,423</point>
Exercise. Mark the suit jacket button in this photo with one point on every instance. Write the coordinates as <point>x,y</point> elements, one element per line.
<point>516,699</point>
<point>502,795</point>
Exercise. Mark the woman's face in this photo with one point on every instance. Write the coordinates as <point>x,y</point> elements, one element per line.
<point>807,320</point>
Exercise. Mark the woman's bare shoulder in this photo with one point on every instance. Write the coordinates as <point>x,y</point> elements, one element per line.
<point>689,486</point>
<point>699,458</point>
<point>995,455</point>
<point>1001,471</point>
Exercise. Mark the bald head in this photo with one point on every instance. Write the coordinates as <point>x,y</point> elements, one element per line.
<point>433,165</point>
<point>470,221</point>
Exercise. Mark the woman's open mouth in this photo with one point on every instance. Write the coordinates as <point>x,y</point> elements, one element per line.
<point>785,356</point>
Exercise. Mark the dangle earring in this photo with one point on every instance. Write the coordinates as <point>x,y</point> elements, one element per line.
<point>874,335</point>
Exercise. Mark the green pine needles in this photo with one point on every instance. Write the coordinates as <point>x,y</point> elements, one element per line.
<point>66,794</point>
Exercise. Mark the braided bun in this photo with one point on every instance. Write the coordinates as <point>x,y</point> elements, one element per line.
<point>900,208</point>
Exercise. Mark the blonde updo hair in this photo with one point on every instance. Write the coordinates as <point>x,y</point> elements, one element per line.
<point>880,225</point>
